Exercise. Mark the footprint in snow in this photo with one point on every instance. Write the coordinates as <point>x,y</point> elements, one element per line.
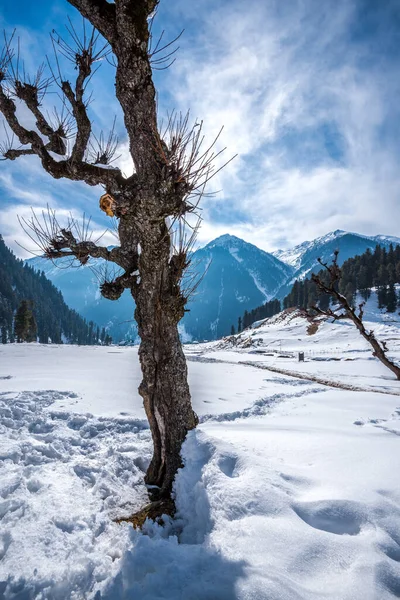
<point>388,578</point>
<point>392,551</point>
<point>334,516</point>
<point>86,474</point>
<point>391,495</point>
<point>296,480</point>
<point>5,542</point>
<point>227,463</point>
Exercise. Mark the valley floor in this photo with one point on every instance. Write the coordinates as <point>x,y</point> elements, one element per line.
<point>290,489</point>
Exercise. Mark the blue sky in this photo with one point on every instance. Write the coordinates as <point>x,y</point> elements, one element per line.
<point>309,96</point>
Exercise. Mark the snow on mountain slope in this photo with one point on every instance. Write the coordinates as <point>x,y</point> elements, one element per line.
<point>239,277</point>
<point>289,489</point>
<point>304,257</point>
<point>294,256</point>
<point>374,314</point>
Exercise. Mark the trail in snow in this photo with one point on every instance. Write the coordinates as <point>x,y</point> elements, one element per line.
<point>295,374</point>
<point>316,379</point>
<point>260,407</point>
<point>289,489</point>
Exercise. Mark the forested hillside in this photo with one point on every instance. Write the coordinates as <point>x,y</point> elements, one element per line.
<point>378,269</point>
<point>56,322</point>
<point>269,309</point>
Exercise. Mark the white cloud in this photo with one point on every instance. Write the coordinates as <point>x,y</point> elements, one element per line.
<point>274,74</point>
<point>264,70</point>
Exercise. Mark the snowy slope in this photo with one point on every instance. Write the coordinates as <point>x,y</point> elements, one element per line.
<point>290,489</point>
<point>304,257</point>
<point>239,277</point>
<point>294,256</point>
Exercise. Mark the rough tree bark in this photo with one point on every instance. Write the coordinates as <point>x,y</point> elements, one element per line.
<point>165,390</point>
<point>169,171</point>
<point>330,287</point>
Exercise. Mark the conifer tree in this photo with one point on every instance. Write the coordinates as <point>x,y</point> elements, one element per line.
<point>391,299</point>
<point>25,324</point>
<point>382,296</point>
<point>19,281</point>
<point>32,329</point>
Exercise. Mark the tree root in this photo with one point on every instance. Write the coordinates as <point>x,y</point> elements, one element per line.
<point>154,511</point>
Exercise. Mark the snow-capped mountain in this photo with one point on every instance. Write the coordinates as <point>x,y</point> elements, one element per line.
<point>294,256</point>
<point>304,258</point>
<point>238,276</point>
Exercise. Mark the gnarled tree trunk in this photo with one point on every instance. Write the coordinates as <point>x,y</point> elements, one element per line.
<point>171,169</point>
<point>165,390</point>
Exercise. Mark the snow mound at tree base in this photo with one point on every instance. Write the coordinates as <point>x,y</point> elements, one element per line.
<point>287,525</point>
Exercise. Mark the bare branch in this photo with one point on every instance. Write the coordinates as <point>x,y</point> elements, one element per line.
<point>6,56</point>
<point>14,153</point>
<point>55,241</point>
<point>103,151</point>
<point>159,55</point>
<point>112,290</point>
<point>78,171</point>
<point>31,91</point>
<point>188,163</point>
<point>185,271</point>
<point>6,147</point>
<point>101,14</point>
<point>331,288</point>
<point>83,53</point>
<point>329,313</point>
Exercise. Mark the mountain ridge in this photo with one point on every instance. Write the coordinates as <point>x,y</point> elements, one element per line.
<point>239,276</point>
<point>292,256</point>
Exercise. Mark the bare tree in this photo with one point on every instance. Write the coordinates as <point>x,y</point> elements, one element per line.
<point>344,310</point>
<point>171,169</point>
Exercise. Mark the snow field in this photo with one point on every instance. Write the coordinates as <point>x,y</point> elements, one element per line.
<point>290,489</point>
<point>63,475</point>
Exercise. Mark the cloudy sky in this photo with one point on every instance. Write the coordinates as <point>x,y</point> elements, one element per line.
<point>309,96</point>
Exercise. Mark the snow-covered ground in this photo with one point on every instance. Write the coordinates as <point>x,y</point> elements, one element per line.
<point>290,489</point>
